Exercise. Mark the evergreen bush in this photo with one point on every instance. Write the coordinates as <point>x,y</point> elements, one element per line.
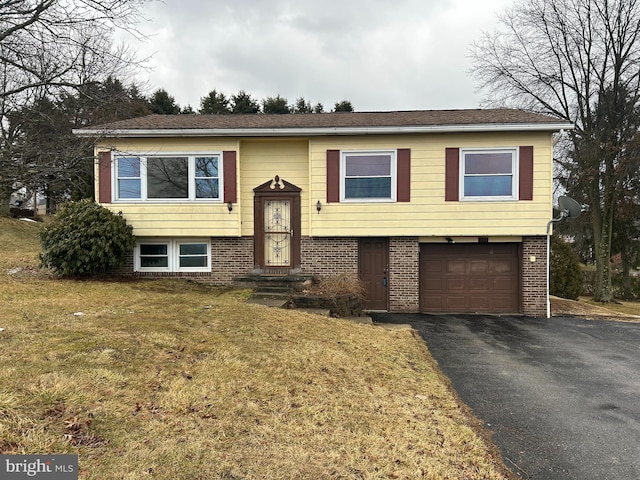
<point>566,277</point>
<point>85,239</point>
<point>624,290</point>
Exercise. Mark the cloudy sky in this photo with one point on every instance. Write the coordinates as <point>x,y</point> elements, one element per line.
<point>379,54</point>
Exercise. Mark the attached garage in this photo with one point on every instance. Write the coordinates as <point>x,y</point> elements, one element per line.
<point>470,278</point>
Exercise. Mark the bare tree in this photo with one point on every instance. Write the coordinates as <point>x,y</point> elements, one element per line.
<point>47,46</point>
<point>572,58</point>
<point>46,43</point>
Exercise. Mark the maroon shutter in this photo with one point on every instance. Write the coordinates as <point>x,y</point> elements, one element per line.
<point>404,175</point>
<point>526,173</point>
<point>452,174</point>
<point>333,176</point>
<point>230,176</point>
<point>104,177</point>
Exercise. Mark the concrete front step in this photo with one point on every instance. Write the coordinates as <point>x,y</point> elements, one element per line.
<point>273,288</point>
<point>277,302</point>
<point>289,282</point>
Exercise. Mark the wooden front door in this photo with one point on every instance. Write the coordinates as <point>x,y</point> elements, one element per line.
<point>277,227</point>
<point>373,270</point>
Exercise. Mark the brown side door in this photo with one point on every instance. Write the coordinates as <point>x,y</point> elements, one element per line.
<point>373,268</point>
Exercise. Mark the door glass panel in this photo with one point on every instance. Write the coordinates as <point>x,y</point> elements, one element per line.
<point>277,233</point>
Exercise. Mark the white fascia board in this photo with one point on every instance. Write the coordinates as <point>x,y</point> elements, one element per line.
<point>322,131</point>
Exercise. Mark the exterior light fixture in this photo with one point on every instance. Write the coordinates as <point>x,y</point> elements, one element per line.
<point>318,207</point>
<point>229,206</point>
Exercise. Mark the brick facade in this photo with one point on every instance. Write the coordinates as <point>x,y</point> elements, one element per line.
<point>404,274</point>
<point>327,256</point>
<point>230,257</point>
<point>534,276</point>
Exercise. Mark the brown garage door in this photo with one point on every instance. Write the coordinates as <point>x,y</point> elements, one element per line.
<point>469,278</point>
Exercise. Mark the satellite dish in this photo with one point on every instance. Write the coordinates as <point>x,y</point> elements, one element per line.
<point>569,207</point>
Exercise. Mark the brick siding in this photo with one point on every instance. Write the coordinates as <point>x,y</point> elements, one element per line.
<point>328,256</point>
<point>230,257</point>
<point>325,257</point>
<point>534,276</point>
<point>404,274</point>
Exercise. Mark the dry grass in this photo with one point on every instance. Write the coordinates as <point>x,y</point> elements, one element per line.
<point>619,306</point>
<point>170,379</point>
<point>586,307</point>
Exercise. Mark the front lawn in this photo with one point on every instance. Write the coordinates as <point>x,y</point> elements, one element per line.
<point>173,379</point>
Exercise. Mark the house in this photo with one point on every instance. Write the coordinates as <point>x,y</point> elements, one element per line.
<point>435,211</point>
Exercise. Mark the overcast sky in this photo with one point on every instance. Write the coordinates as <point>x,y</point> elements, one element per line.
<point>379,54</point>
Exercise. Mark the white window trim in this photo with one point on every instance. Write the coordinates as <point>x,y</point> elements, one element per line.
<point>173,253</point>
<point>394,175</point>
<point>514,175</point>
<point>191,173</point>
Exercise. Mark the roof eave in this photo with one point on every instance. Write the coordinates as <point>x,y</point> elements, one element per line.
<point>319,131</point>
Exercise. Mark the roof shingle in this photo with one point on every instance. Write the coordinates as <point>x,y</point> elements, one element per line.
<point>417,118</point>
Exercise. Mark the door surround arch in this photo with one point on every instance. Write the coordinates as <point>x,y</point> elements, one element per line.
<point>264,197</point>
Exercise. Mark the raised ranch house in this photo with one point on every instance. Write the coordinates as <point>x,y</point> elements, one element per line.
<point>435,211</point>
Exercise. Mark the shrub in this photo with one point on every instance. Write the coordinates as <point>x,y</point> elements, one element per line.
<point>85,239</point>
<point>341,294</point>
<point>566,278</point>
<point>624,290</point>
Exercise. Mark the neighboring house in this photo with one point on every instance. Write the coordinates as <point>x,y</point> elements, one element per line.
<point>435,211</point>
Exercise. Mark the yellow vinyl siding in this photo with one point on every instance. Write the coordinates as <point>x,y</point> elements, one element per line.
<point>195,219</point>
<point>302,162</point>
<point>428,214</point>
<point>261,161</point>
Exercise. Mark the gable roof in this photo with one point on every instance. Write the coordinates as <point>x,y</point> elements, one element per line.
<point>343,123</point>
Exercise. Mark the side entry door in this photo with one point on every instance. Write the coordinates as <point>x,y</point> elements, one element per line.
<point>373,270</point>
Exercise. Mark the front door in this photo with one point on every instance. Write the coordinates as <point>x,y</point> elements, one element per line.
<point>373,270</point>
<point>277,227</point>
<point>277,232</point>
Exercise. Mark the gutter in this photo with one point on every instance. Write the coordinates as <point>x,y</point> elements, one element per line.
<point>320,131</point>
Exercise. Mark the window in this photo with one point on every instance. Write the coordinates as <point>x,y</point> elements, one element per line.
<point>173,255</point>
<point>488,174</point>
<point>128,177</point>
<point>179,177</point>
<point>154,255</point>
<point>368,176</point>
<point>168,177</point>
<point>193,255</point>
<point>207,177</point>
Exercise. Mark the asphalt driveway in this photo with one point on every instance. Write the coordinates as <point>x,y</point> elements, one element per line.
<point>561,395</point>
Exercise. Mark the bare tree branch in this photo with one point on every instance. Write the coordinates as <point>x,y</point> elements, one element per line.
<point>578,60</point>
